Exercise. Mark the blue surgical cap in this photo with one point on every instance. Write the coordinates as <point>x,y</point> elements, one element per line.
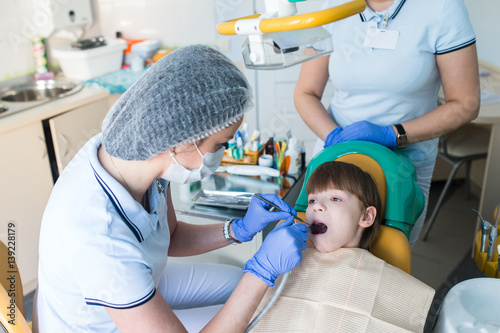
<point>186,96</point>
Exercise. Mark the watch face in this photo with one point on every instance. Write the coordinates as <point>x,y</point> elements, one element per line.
<point>402,141</point>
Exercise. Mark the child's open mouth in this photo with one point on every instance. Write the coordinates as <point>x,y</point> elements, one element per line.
<point>318,228</point>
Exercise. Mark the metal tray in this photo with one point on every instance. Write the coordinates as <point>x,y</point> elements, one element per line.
<point>226,199</point>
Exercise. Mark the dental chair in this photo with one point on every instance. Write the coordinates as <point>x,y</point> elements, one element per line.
<point>12,315</point>
<point>401,197</point>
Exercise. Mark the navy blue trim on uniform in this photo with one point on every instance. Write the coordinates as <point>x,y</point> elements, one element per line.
<point>135,230</point>
<point>458,47</point>
<point>363,18</point>
<point>98,302</point>
<point>397,10</point>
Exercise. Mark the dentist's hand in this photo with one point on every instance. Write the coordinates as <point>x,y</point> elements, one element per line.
<point>258,216</point>
<point>366,131</point>
<point>333,138</point>
<point>280,252</point>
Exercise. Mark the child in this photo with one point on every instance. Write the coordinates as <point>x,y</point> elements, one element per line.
<point>343,205</point>
<point>340,287</point>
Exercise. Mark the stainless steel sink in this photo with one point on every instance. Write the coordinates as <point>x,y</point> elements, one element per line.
<point>41,90</point>
<point>28,95</point>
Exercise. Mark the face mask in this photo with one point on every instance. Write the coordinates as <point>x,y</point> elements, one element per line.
<point>210,162</point>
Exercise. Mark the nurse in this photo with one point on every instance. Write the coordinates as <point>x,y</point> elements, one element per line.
<point>387,66</point>
<point>110,224</point>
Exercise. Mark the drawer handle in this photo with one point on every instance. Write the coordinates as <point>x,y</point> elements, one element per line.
<point>42,142</point>
<point>66,143</point>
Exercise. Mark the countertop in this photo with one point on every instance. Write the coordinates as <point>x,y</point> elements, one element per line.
<point>116,82</point>
<point>54,107</point>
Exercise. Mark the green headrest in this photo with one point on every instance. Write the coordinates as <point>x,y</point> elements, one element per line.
<point>404,201</point>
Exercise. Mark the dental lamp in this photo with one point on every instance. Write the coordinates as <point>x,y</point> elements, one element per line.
<point>277,39</point>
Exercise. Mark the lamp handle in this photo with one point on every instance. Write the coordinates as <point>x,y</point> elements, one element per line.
<point>295,22</point>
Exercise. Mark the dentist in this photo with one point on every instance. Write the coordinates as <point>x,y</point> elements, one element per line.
<point>110,224</point>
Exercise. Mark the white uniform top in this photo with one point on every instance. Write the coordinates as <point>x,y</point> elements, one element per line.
<point>387,86</point>
<point>98,247</point>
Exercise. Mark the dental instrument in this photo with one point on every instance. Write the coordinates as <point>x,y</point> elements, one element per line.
<point>277,39</point>
<point>485,227</point>
<point>493,235</point>
<point>316,228</point>
<point>276,207</point>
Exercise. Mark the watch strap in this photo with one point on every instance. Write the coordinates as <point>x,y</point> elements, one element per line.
<point>402,138</point>
<point>227,233</point>
<point>400,128</point>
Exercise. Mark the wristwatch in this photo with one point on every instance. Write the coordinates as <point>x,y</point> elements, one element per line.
<point>402,138</point>
<point>227,234</point>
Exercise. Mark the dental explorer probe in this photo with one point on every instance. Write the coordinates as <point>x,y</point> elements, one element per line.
<point>276,207</point>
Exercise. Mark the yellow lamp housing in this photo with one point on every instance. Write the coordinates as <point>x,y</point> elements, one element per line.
<point>278,38</point>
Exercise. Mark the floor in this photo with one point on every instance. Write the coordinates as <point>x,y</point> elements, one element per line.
<point>443,260</point>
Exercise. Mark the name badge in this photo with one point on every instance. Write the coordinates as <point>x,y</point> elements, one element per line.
<point>381,38</point>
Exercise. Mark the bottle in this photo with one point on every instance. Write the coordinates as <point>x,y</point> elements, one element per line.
<point>293,152</point>
<point>269,147</point>
<point>302,156</point>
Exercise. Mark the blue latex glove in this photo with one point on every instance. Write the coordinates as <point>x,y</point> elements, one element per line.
<point>280,252</point>
<point>366,131</point>
<point>258,216</point>
<point>333,137</point>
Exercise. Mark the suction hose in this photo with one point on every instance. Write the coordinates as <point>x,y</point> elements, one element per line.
<point>269,304</point>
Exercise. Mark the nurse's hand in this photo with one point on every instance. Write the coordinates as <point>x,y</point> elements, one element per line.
<point>258,216</point>
<point>366,131</point>
<point>333,138</point>
<point>280,252</point>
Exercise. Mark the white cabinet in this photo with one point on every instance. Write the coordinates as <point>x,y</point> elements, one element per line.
<point>26,182</point>
<point>71,130</point>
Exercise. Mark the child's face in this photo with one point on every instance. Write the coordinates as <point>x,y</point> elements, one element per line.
<point>342,213</point>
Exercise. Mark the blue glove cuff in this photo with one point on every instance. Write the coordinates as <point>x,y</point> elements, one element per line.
<point>252,266</point>
<point>391,136</point>
<point>240,232</point>
<point>332,139</point>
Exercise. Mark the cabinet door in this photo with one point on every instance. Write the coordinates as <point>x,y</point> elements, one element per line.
<point>71,130</point>
<point>25,182</point>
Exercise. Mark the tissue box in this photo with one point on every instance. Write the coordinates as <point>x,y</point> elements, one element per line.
<point>87,64</point>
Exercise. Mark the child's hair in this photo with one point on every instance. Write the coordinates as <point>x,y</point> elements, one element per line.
<point>348,177</point>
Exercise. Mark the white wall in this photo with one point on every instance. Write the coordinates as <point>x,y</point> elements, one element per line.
<point>178,22</point>
<point>484,17</point>
<point>173,22</point>
<point>16,20</point>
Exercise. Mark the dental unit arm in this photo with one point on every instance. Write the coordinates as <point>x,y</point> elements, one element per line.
<point>277,39</point>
